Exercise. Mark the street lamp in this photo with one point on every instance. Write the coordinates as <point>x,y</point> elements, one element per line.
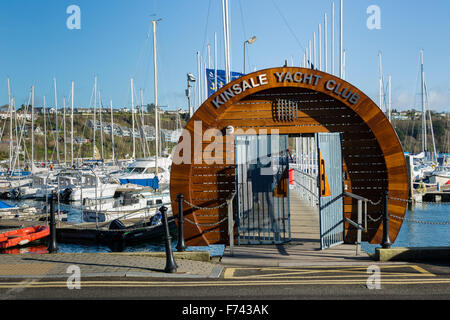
<point>249,41</point>
<point>190,78</point>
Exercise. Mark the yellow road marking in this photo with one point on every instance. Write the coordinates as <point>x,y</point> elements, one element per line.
<point>140,284</point>
<point>229,273</point>
<point>422,270</point>
<point>354,271</point>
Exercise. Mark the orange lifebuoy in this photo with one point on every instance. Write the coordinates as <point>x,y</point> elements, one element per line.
<point>23,236</point>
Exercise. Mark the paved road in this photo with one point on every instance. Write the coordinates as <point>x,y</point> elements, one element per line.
<point>396,281</point>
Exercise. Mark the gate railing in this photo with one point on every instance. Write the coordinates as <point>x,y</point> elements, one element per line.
<point>362,203</point>
<point>305,185</point>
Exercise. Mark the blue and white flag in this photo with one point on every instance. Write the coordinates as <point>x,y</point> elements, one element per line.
<point>210,78</point>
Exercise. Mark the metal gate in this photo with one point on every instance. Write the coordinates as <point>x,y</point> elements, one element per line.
<point>262,184</point>
<point>331,204</point>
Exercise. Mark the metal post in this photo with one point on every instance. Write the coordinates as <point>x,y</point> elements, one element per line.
<point>230,225</point>
<point>358,235</point>
<point>181,246</point>
<point>52,247</point>
<point>386,242</point>
<point>171,266</point>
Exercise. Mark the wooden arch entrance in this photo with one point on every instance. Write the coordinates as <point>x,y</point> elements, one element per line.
<point>203,170</point>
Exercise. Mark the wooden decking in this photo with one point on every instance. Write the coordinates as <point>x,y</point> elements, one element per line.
<point>304,220</point>
<point>302,250</point>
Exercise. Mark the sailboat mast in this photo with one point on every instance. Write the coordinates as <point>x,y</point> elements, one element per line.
<point>95,116</point>
<point>320,47</point>
<point>64,128</point>
<point>71,126</point>
<point>143,135</point>
<point>132,117</point>
<point>56,121</point>
<point>112,131</point>
<point>325,34</point>
<point>424,124</point>
<point>199,86</point>
<point>341,51</point>
<point>314,50</point>
<point>10,127</point>
<point>45,133</point>
<point>101,122</point>
<point>32,127</point>
<point>389,98</point>
<point>332,38</point>
<point>225,38</point>
<point>155,75</point>
<point>380,81</point>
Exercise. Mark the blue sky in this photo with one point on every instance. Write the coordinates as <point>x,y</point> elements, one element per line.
<point>113,45</point>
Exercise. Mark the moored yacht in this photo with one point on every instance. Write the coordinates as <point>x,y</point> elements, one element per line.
<point>142,172</point>
<point>77,186</point>
<point>127,203</point>
<point>441,175</point>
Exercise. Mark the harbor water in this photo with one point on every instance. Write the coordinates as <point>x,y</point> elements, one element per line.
<point>425,225</point>
<point>74,216</point>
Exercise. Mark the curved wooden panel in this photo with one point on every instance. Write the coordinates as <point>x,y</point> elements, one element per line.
<point>372,155</point>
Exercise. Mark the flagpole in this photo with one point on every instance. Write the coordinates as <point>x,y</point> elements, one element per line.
<point>215,61</point>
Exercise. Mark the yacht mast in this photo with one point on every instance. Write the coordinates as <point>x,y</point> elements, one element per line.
<point>101,122</point>
<point>325,34</point>
<point>320,47</point>
<point>10,127</point>
<point>332,38</point>
<point>95,117</point>
<point>424,124</point>
<point>56,121</point>
<point>341,53</point>
<point>381,81</point>
<point>155,75</point>
<point>143,134</point>
<point>132,117</point>
<point>226,38</point>
<point>112,131</point>
<point>45,133</point>
<point>64,128</point>
<point>32,127</point>
<point>389,98</point>
<point>71,127</point>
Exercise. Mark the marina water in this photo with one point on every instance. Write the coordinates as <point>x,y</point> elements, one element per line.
<point>425,225</point>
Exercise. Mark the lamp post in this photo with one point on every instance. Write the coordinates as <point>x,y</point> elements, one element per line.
<point>190,78</point>
<point>249,41</point>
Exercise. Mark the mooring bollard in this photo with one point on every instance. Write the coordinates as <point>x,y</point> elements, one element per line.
<point>52,247</point>
<point>181,246</point>
<point>386,242</point>
<point>171,265</point>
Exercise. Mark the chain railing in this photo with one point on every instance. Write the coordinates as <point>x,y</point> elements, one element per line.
<point>223,204</point>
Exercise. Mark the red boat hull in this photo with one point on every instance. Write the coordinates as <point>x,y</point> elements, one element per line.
<point>23,236</point>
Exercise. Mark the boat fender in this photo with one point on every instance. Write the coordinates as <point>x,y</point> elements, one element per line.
<point>65,194</point>
<point>156,219</point>
<point>116,224</point>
